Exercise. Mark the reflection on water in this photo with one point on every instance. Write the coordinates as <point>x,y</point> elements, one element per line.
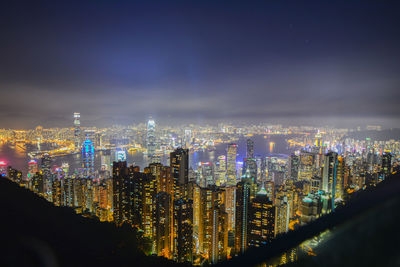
<point>16,155</point>
<point>271,147</point>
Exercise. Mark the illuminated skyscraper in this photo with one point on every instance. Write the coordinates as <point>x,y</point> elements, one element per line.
<point>37,183</point>
<point>32,168</point>
<point>121,193</point>
<point>282,215</point>
<point>151,139</point>
<point>57,189</point>
<point>340,173</point>
<point>120,155</point>
<point>294,162</point>
<point>183,230</point>
<point>220,172</point>
<point>88,157</point>
<point>241,218</point>
<point>69,192</point>
<point>213,228</point>
<point>77,130</point>
<point>329,175</point>
<point>183,206</point>
<point>162,225</point>
<point>250,168</point>
<point>261,225</point>
<point>206,174</point>
<point>231,164</point>
<point>250,149</point>
<point>313,205</point>
<point>47,175</point>
<point>45,166</point>
<point>318,141</point>
<point>188,138</point>
<point>106,161</point>
<point>306,166</point>
<point>148,205</point>
<point>230,206</point>
<point>179,162</point>
<point>386,164</point>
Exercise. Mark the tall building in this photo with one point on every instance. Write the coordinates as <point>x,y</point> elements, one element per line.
<point>183,230</point>
<point>188,138</point>
<point>220,171</point>
<point>37,183</point>
<point>162,235</point>
<point>241,219</point>
<point>121,193</point>
<point>57,189</point>
<point>164,179</point>
<point>179,162</point>
<point>213,228</point>
<point>32,168</point>
<point>68,192</point>
<point>294,162</point>
<point>105,161</point>
<point>282,215</point>
<point>77,130</point>
<point>250,168</point>
<point>206,174</point>
<point>314,205</point>
<point>318,140</point>
<point>230,206</point>
<point>250,149</point>
<point>250,163</point>
<point>45,167</point>
<point>88,157</point>
<point>306,166</point>
<point>340,174</point>
<point>231,164</point>
<point>386,164</point>
<point>151,139</point>
<point>261,225</point>
<point>329,175</point>
<point>183,206</point>
<point>120,155</point>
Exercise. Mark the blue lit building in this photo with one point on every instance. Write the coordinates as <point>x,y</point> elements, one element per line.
<point>120,155</point>
<point>88,157</point>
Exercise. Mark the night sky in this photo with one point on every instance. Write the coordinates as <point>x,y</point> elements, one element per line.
<point>316,62</point>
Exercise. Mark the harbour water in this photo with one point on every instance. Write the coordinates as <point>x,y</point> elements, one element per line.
<point>272,145</point>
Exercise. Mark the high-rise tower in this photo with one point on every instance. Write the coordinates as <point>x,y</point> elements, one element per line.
<point>88,157</point>
<point>231,164</point>
<point>179,162</point>
<point>386,164</point>
<point>261,225</point>
<point>329,175</point>
<point>241,218</point>
<point>151,139</point>
<point>77,130</point>
<point>250,149</point>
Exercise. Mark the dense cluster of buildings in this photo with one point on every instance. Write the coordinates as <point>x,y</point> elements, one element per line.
<point>222,208</point>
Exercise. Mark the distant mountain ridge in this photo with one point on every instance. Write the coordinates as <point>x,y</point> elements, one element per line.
<point>383,135</point>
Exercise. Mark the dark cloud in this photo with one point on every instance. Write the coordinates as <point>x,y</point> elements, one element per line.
<point>118,62</point>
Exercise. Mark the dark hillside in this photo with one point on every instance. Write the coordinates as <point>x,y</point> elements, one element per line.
<point>36,233</point>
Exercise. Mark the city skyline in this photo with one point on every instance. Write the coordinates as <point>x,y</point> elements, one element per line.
<point>198,133</point>
<point>202,195</point>
<point>117,63</point>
